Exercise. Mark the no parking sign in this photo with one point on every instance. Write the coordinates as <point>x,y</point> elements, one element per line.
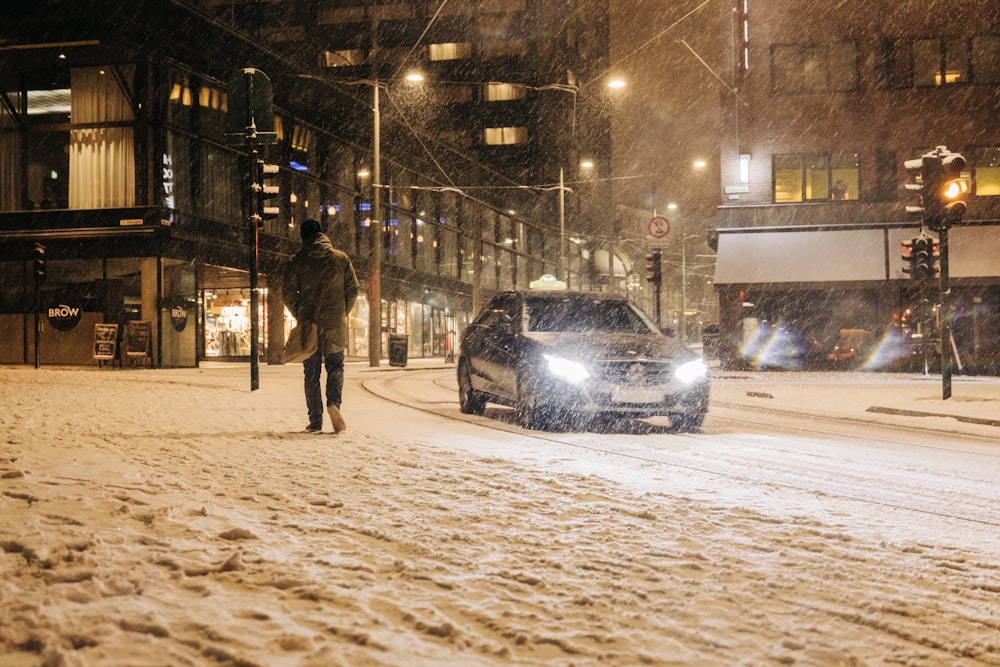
<point>658,226</point>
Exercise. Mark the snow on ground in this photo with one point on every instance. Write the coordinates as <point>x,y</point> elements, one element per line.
<point>173,517</point>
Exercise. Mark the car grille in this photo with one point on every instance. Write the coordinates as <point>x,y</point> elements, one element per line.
<point>634,373</point>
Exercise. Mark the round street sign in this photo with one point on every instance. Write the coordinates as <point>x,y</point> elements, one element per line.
<point>658,226</point>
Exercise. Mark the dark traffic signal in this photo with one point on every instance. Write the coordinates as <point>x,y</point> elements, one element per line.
<point>654,268</point>
<point>920,253</point>
<point>262,191</point>
<point>39,254</point>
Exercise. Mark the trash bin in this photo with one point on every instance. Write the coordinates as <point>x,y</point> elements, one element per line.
<point>398,344</point>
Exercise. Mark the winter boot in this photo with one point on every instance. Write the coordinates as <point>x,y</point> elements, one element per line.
<point>336,418</point>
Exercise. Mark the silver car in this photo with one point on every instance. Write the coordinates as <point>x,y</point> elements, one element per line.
<point>563,359</point>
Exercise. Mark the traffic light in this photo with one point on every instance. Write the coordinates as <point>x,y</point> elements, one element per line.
<point>949,206</point>
<point>921,253</point>
<point>39,254</point>
<point>262,191</point>
<point>937,180</point>
<point>654,272</point>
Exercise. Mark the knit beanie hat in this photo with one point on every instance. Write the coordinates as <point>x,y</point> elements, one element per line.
<point>310,228</point>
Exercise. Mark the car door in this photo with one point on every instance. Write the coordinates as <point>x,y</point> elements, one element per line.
<point>506,349</point>
<point>488,344</point>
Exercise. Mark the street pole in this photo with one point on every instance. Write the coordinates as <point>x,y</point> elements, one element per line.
<point>254,220</point>
<point>563,268</point>
<point>945,316</point>
<point>375,251</point>
<point>38,309</point>
<point>683,318</point>
<point>250,123</point>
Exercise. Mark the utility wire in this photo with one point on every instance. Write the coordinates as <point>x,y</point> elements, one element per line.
<point>731,89</point>
<point>648,42</point>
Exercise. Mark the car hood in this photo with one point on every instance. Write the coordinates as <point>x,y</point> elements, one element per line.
<point>602,346</point>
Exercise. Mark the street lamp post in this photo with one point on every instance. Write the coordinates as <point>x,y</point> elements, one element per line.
<point>563,268</point>
<point>573,90</point>
<point>375,251</point>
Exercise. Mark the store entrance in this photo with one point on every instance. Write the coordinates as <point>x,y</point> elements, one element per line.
<point>227,324</point>
<point>224,299</point>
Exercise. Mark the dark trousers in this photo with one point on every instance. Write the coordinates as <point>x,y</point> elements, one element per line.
<point>312,369</point>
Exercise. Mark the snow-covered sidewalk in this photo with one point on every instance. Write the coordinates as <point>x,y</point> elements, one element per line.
<point>887,398</point>
<point>173,517</point>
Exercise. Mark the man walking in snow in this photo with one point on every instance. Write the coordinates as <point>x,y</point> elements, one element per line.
<point>320,285</point>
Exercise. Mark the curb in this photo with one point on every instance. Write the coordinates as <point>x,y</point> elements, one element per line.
<point>982,421</point>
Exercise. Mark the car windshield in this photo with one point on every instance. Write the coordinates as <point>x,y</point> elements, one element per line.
<point>584,314</point>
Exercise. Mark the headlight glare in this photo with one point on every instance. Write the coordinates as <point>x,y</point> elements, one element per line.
<point>691,371</point>
<point>566,369</point>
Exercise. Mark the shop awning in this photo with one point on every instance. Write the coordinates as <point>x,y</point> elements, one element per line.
<point>833,254</point>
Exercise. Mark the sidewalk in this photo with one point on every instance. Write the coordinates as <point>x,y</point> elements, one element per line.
<point>886,398</point>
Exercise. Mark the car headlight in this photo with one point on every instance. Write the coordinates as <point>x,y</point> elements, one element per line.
<point>566,369</point>
<point>691,371</point>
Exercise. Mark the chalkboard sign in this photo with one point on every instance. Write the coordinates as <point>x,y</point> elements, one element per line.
<point>398,344</point>
<point>105,341</point>
<point>137,338</point>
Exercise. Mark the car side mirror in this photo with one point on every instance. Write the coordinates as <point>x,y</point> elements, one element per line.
<point>502,326</point>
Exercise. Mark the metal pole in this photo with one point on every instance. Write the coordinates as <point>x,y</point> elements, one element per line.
<point>563,268</point>
<point>945,316</point>
<point>38,308</point>
<point>375,263</point>
<point>254,274</point>
<point>659,324</point>
<point>683,318</point>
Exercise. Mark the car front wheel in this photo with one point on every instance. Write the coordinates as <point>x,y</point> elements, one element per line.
<point>531,413</point>
<point>686,422</point>
<point>470,401</point>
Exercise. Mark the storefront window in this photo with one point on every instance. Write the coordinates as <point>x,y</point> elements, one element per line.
<point>358,328</point>
<point>227,322</point>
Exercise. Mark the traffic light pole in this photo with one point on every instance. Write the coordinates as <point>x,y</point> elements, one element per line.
<point>937,180</point>
<point>250,123</point>
<point>945,294</point>
<point>39,273</point>
<point>658,290</point>
<point>254,220</point>
<point>38,308</point>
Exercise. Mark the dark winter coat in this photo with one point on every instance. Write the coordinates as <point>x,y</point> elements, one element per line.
<point>320,273</point>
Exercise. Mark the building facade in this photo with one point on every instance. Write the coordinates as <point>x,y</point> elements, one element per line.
<point>118,161</point>
<point>827,103</point>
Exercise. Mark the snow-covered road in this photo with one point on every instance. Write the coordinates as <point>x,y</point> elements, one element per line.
<point>901,484</point>
<point>174,517</point>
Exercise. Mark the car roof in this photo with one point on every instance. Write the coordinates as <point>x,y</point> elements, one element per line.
<point>556,294</point>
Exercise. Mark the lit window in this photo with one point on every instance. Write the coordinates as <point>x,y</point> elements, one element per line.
<point>302,138</point>
<point>45,102</point>
<point>180,93</point>
<point>816,177</point>
<point>505,136</point>
<point>211,98</point>
<point>986,171</point>
<point>344,58</point>
<point>450,51</point>
<point>503,92</point>
<point>940,62</point>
